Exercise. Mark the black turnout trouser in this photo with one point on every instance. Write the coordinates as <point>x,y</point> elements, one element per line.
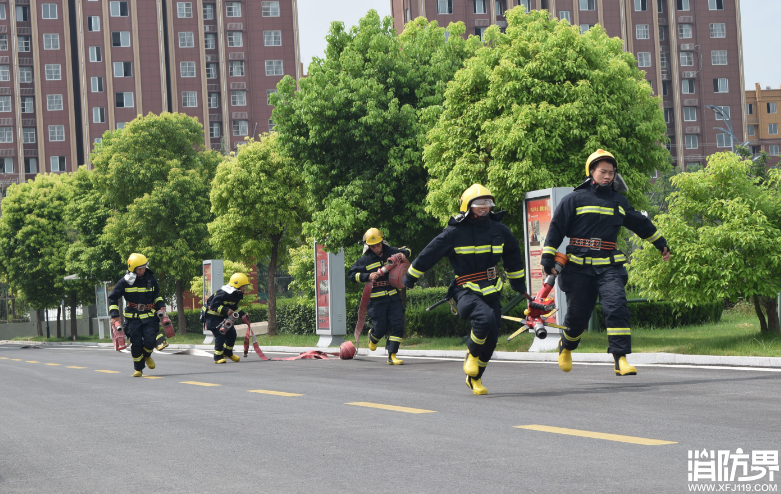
<point>387,312</point>
<point>485,313</point>
<point>142,334</point>
<point>582,290</point>
<point>223,342</point>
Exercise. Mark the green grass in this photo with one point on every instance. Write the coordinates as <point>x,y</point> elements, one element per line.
<point>736,335</point>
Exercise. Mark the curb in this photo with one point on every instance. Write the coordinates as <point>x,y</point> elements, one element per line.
<point>637,358</point>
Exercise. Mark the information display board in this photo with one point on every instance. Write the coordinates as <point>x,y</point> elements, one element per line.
<point>330,301</point>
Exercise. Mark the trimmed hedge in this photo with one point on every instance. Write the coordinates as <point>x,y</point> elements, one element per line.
<point>664,315</point>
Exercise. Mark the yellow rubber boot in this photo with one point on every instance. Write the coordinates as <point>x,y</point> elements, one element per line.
<point>623,368</point>
<point>138,374</point>
<point>149,362</point>
<point>392,360</point>
<point>235,358</point>
<point>476,385</point>
<point>372,344</point>
<point>471,367</point>
<point>221,361</point>
<point>565,358</point>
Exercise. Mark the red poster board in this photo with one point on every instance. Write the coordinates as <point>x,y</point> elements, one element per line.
<point>321,288</point>
<point>538,218</point>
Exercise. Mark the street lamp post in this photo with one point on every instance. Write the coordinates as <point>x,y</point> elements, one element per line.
<point>719,111</point>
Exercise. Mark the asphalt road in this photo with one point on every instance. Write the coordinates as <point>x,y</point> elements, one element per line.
<point>67,426</point>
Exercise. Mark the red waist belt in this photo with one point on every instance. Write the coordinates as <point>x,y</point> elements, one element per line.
<point>593,243</point>
<point>490,274</point>
<point>141,306</point>
<point>380,283</point>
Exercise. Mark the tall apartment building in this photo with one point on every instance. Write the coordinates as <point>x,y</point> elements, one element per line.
<point>763,120</point>
<point>72,69</point>
<point>691,51</point>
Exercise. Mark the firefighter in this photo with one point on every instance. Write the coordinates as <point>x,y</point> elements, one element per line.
<point>218,308</point>
<point>475,241</point>
<point>385,308</point>
<point>141,291</point>
<point>591,217</point>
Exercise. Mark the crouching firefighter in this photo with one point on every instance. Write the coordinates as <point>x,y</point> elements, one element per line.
<point>141,291</point>
<point>218,315</point>
<point>474,242</point>
<point>591,217</point>
<point>385,307</point>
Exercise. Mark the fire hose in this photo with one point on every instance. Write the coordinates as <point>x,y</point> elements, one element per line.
<point>346,350</point>
<point>395,267</point>
<point>117,335</point>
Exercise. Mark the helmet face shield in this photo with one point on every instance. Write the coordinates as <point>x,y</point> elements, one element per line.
<point>482,202</point>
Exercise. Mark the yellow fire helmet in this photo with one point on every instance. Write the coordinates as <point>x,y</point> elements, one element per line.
<point>473,192</point>
<point>136,261</point>
<point>372,236</point>
<point>238,280</point>
<point>599,155</point>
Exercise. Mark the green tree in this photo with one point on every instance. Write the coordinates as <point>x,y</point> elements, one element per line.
<point>356,128</point>
<point>722,226</point>
<point>259,202</point>
<point>532,105</point>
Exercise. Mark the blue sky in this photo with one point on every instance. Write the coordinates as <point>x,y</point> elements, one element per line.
<point>761,54</point>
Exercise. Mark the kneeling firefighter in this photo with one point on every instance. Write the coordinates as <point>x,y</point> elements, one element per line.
<point>591,217</point>
<point>141,291</point>
<point>385,307</point>
<point>474,242</point>
<point>218,315</point>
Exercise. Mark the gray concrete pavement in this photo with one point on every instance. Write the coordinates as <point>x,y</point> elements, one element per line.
<point>68,429</point>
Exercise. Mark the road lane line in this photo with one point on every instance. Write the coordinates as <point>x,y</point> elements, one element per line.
<point>277,393</point>
<point>3,358</point>
<point>16,359</point>
<point>52,364</point>
<point>32,361</point>
<point>108,371</point>
<point>595,435</point>
<point>152,377</point>
<point>390,407</point>
<point>75,367</point>
<point>196,383</point>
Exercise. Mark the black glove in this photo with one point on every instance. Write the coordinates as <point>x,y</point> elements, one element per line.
<point>660,244</point>
<point>519,286</point>
<point>408,281</point>
<point>548,265</point>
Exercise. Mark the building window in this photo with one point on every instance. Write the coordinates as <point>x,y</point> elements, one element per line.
<point>718,30</point>
<point>236,68</point>
<point>208,11</point>
<point>31,165</point>
<point>585,27</point>
<point>124,100</point>
<point>184,10</point>
<point>644,59</point>
<point>716,4</point>
<point>28,135</point>
<point>96,84</point>
<point>120,39</point>
<point>749,109</point>
<point>564,15</point>
<point>210,41</point>
<point>662,31</point>
<point>48,10</point>
<point>98,114</point>
<point>24,43</point>
<point>57,163</point>
<point>721,85</point>
<point>186,39</point>
<point>51,41</point>
<point>587,4</point>
<point>54,102</point>
<point>239,128</point>
<point>684,31</point>
<point>750,130</point>
<point>214,100</point>
<point>722,141</point>
<point>187,69</point>
<point>235,39</point>
<point>189,99</point>
<point>724,115</point>
<point>689,113</point>
<point>272,38</point>
<point>214,130</point>
<point>664,60</point>
<point>688,86</point>
<point>121,125</point>
<point>274,67</point>
<point>238,98</point>
<point>444,6</point>
<point>478,6</point>
<point>718,57</point>
<point>93,23</point>
<point>683,4</point>
<point>480,32</point>
<point>660,7</point>
<point>772,129</point>
<point>687,58</point>
<point>53,72</point>
<point>2,12</point>
<point>25,74</point>
<point>232,9</point>
<point>692,141</point>
<point>269,92</point>
<point>772,150</point>
<point>56,133</point>
<point>271,125</point>
<point>28,104</point>
<point>269,9</point>
<point>6,135</point>
<point>771,107</point>
<point>641,31</point>
<point>95,54</point>
<point>755,150</point>
<point>641,5</point>
<point>406,15</point>
<point>3,42</point>
<point>5,73</point>
<point>211,70</point>
<point>8,163</point>
<point>5,103</point>
<point>499,7</point>
<point>668,115</point>
<point>118,9</point>
<point>22,13</point>
<point>123,69</point>
<point>526,5</point>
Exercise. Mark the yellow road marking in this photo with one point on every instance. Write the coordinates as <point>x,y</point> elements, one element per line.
<point>267,392</point>
<point>198,384</point>
<point>595,435</point>
<point>108,371</point>
<point>3,358</point>
<point>390,407</point>
<point>16,359</point>
<point>32,362</point>
<point>52,364</point>
<point>74,367</point>
<point>152,377</point>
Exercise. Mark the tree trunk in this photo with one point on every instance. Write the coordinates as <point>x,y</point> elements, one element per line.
<point>771,309</point>
<point>39,323</point>
<point>74,331</point>
<point>13,312</point>
<point>270,286</point>
<point>59,334</point>
<point>180,308</point>
<point>760,315</point>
